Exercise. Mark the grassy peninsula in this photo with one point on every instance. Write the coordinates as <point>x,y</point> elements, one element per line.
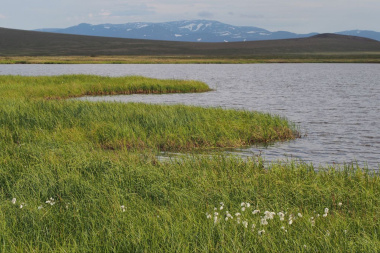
<point>83,177</point>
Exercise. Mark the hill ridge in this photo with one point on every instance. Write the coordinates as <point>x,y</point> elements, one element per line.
<point>31,43</point>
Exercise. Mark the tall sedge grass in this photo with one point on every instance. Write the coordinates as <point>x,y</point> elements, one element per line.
<point>29,117</point>
<point>77,199</point>
<point>66,86</point>
<point>83,177</point>
<point>137,126</point>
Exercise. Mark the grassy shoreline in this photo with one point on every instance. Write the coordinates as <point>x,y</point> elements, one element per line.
<point>291,58</point>
<point>80,176</point>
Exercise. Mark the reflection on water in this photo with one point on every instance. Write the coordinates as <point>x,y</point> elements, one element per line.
<point>337,106</point>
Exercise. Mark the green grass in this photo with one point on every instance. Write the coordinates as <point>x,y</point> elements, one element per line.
<point>166,204</point>
<point>83,177</point>
<point>66,86</point>
<point>27,118</point>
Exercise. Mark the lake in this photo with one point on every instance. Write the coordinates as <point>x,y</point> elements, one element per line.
<point>336,106</point>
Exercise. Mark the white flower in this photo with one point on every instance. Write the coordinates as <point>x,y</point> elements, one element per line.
<point>237,214</point>
<point>215,219</point>
<point>245,223</point>
<point>264,222</point>
<point>208,216</point>
<point>290,222</point>
<point>122,208</point>
<point>326,210</point>
<point>238,220</point>
<point>269,215</point>
<point>22,205</point>
<point>340,204</point>
<point>216,214</point>
<point>261,232</point>
<point>304,246</point>
<point>300,215</point>
<point>50,201</point>
<point>226,219</point>
<point>327,233</point>
<point>255,211</point>
<point>324,215</point>
<point>40,207</point>
<point>221,208</point>
<point>282,216</point>
<point>221,203</point>
<point>14,201</point>
<point>253,226</point>
<point>242,204</point>
<point>243,209</point>
<point>247,205</point>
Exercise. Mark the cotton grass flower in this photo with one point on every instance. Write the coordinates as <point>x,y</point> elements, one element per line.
<point>269,215</point>
<point>312,221</point>
<point>50,201</point>
<point>229,216</point>
<point>264,222</point>
<point>14,201</point>
<point>281,215</point>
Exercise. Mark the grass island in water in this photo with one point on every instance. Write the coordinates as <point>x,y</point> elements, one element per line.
<point>81,176</point>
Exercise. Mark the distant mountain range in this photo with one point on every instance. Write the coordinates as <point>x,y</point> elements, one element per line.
<point>191,31</point>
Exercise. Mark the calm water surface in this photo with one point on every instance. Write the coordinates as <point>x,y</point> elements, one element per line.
<point>337,106</point>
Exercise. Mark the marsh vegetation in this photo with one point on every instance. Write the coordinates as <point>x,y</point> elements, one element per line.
<point>83,176</point>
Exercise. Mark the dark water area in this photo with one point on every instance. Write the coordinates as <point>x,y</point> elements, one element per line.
<point>336,106</point>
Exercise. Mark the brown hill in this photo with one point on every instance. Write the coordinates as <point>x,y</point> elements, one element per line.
<point>29,43</point>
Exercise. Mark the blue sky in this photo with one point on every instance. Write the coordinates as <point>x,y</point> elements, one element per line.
<point>301,16</point>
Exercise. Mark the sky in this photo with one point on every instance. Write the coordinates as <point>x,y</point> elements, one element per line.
<point>299,16</point>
